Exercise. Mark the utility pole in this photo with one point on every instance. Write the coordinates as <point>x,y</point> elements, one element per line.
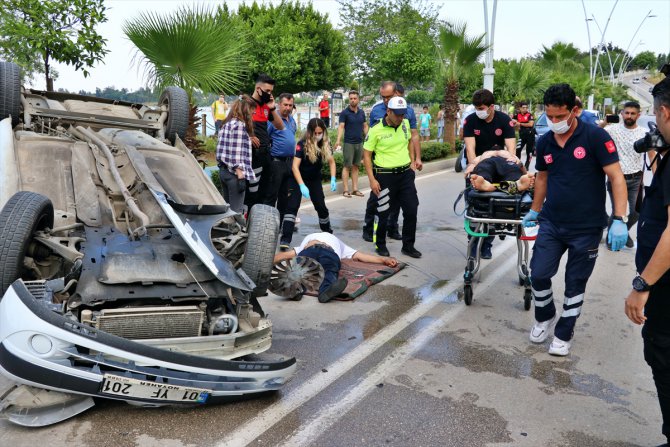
<point>488,70</point>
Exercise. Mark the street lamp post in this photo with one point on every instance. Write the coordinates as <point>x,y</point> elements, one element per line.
<point>588,33</point>
<point>622,67</point>
<point>488,70</point>
<point>602,40</point>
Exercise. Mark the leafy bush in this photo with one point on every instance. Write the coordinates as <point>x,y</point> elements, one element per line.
<point>216,180</point>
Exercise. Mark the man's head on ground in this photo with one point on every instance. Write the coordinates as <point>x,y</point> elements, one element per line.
<point>354,98</point>
<point>483,100</point>
<point>630,114</point>
<point>661,94</point>
<point>523,107</point>
<point>263,90</point>
<point>387,91</point>
<point>395,111</point>
<point>560,107</point>
<point>286,104</point>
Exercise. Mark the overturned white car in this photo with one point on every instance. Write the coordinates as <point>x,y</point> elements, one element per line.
<point>123,272</point>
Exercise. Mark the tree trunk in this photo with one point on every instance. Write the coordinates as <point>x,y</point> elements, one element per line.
<point>191,138</point>
<point>451,108</point>
<point>47,74</point>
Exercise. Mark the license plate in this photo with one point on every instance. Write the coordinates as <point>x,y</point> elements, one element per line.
<point>145,389</point>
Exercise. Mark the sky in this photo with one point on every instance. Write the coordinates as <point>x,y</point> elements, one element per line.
<point>521,28</point>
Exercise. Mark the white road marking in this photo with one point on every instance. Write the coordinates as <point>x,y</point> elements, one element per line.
<point>255,427</point>
<point>332,413</point>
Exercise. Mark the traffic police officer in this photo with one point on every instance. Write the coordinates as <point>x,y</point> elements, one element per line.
<point>572,161</point>
<point>649,302</point>
<point>392,177</point>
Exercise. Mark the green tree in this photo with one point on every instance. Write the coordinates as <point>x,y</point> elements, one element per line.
<point>458,54</point>
<point>644,60</point>
<point>195,49</point>
<point>390,40</point>
<point>519,80</point>
<point>55,30</point>
<point>295,44</point>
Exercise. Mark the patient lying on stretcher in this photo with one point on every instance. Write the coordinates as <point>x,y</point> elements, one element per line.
<point>498,170</point>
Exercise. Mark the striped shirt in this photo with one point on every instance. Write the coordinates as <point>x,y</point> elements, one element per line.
<point>234,148</point>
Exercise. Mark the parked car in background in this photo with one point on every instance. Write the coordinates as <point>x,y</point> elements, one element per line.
<point>636,80</point>
<point>541,125</point>
<point>123,272</point>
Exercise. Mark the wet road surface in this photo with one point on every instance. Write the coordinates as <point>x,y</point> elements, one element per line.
<point>408,364</point>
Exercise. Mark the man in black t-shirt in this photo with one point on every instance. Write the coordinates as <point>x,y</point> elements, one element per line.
<point>524,119</point>
<point>486,129</point>
<point>649,302</point>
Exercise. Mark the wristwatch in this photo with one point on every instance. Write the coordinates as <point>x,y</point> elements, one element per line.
<point>623,219</point>
<point>272,109</point>
<point>640,285</point>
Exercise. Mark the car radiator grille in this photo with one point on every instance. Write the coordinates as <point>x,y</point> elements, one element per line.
<point>148,322</point>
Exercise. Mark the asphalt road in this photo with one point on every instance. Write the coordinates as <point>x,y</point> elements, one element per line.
<point>408,364</point>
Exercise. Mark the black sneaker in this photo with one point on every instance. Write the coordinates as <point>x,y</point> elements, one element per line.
<point>486,252</point>
<point>367,236</point>
<point>382,250</point>
<point>395,234</point>
<point>333,290</point>
<point>411,252</point>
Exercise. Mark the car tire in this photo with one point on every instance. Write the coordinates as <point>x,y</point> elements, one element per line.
<point>179,111</point>
<point>24,213</point>
<point>10,92</point>
<point>263,230</point>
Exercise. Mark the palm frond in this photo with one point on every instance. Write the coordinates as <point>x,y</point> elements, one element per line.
<point>192,48</point>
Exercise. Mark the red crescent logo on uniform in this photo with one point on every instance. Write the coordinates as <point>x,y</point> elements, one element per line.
<point>498,132</point>
<point>298,148</point>
<point>511,123</point>
<point>579,153</point>
<point>266,112</point>
<point>477,132</point>
<point>548,159</point>
<point>610,146</point>
<point>465,120</point>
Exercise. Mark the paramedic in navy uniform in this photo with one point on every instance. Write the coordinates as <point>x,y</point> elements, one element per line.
<point>572,161</point>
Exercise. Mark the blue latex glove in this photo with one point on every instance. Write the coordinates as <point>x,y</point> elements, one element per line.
<point>304,190</point>
<point>530,219</point>
<point>333,184</point>
<point>617,235</point>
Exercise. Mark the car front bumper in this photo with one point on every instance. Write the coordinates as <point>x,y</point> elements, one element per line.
<point>42,348</point>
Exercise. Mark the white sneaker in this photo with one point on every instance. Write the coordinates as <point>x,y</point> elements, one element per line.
<point>559,347</point>
<point>540,331</point>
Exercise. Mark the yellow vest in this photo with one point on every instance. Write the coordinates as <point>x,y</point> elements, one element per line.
<point>391,146</point>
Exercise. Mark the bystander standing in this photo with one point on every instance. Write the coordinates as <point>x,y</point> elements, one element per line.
<point>354,128</point>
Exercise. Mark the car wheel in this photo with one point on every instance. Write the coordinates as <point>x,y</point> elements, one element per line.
<point>263,229</point>
<point>179,110</point>
<point>23,214</point>
<point>10,92</point>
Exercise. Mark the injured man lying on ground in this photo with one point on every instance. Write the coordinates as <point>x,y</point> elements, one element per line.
<point>327,251</point>
<point>498,170</point>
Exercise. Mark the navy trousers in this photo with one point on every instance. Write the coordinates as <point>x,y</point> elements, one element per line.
<point>328,260</point>
<point>552,242</point>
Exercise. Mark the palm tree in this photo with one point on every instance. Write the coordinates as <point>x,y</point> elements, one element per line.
<point>526,80</point>
<point>457,54</point>
<point>193,49</point>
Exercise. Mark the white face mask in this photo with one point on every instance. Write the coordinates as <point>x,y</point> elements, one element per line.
<point>318,137</point>
<point>560,127</point>
<point>482,114</point>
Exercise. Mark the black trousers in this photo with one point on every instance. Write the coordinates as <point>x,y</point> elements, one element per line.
<point>257,190</point>
<point>657,348</point>
<point>397,191</point>
<point>526,139</point>
<point>371,211</point>
<point>280,175</point>
<point>293,205</point>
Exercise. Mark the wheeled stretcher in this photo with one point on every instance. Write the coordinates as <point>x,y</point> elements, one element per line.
<point>496,214</point>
